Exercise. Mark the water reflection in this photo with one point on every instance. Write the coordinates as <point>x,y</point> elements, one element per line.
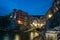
<point>17,37</point>
<point>11,37</point>
<point>6,37</point>
<point>14,36</point>
<point>33,35</point>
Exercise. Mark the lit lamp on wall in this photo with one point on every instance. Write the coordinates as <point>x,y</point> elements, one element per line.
<point>35,24</point>
<point>38,25</point>
<point>19,22</point>
<point>49,15</point>
<point>41,25</point>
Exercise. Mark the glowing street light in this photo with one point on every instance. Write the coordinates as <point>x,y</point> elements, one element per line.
<point>50,15</point>
<point>41,24</point>
<point>38,24</point>
<point>19,22</point>
<point>35,23</point>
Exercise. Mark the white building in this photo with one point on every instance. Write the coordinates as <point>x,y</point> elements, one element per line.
<point>53,34</point>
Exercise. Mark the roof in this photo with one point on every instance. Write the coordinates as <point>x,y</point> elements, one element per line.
<point>55,29</point>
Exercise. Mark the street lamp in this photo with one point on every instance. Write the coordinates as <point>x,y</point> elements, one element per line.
<point>19,22</point>
<point>38,25</point>
<point>35,23</point>
<point>41,24</point>
<point>49,15</point>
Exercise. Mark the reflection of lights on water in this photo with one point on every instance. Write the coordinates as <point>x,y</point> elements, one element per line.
<point>35,23</point>
<point>17,37</point>
<point>6,37</point>
<point>32,35</point>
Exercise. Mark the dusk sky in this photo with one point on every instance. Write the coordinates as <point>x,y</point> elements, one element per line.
<point>33,7</point>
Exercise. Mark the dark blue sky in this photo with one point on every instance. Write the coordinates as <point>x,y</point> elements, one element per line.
<point>33,7</point>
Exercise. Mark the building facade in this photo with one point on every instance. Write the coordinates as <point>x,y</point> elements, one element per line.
<point>55,12</point>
